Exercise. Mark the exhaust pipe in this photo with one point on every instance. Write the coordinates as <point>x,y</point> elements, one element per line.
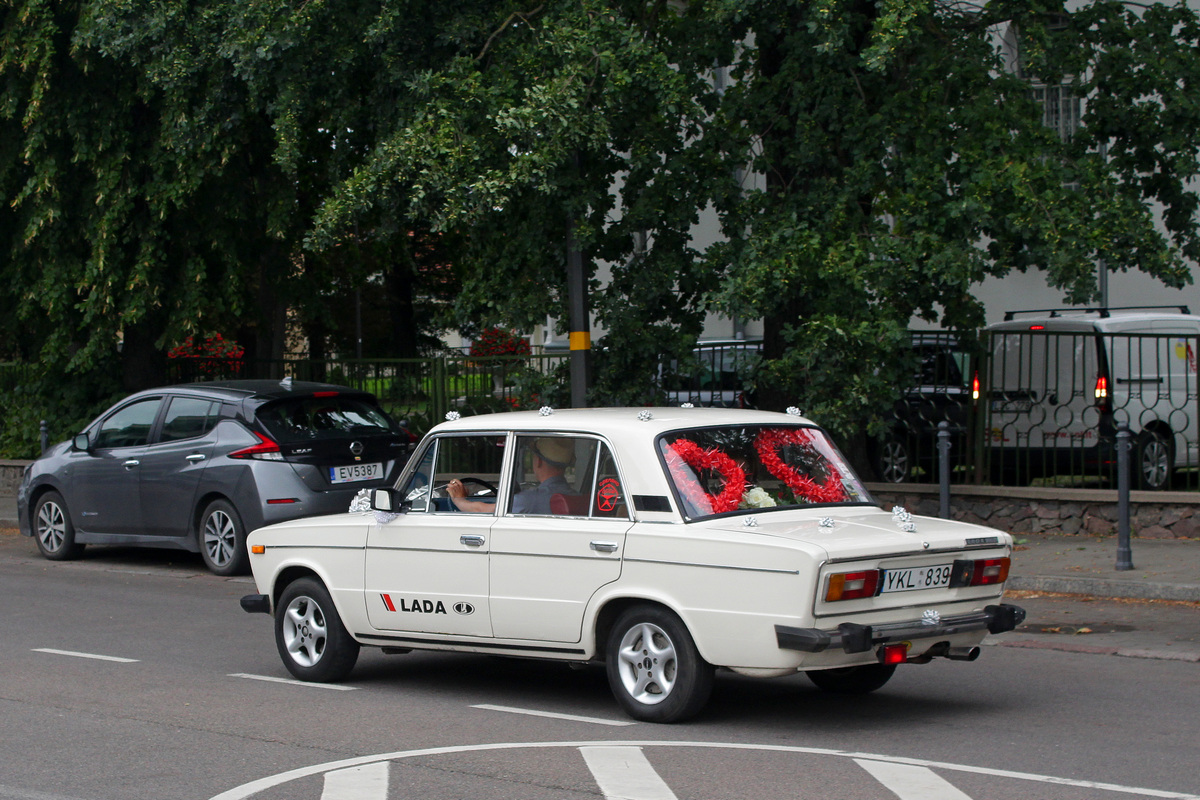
<point>962,653</point>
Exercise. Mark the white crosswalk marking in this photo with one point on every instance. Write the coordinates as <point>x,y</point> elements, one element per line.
<point>623,773</point>
<point>368,782</point>
<point>910,782</point>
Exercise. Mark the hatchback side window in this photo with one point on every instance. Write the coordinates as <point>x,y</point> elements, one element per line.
<point>187,418</point>
<point>129,426</point>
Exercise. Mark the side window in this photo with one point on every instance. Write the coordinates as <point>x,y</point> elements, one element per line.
<point>458,474</point>
<point>565,476</point>
<point>187,418</point>
<point>129,426</point>
<point>608,498</point>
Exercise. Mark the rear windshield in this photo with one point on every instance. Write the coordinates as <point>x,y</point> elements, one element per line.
<point>761,468</point>
<point>307,418</point>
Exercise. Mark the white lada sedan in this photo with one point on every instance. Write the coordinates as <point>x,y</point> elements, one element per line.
<point>665,543</point>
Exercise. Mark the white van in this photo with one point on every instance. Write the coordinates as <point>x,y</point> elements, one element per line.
<point>1062,380</point>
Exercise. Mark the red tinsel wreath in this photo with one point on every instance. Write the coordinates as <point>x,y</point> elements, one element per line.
<point>686,452</point>
<point>771,440</point>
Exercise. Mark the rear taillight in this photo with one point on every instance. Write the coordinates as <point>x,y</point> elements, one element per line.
<point>975,387</point>
<point>265,450</point>
<point>852,585</point>
<point>896,653</point>
<point>1102,399</point>
<point>982,572</point>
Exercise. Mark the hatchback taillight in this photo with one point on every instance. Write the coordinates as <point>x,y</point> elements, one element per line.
<point>265,450</point>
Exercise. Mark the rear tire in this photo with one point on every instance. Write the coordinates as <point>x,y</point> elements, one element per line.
<point>309,634</point>
<point>852,680</point>
<point>1153,461</point>
<point>52,528</point>
<point>893,460</point>
<point>223,539</point>
<point>654,669</point>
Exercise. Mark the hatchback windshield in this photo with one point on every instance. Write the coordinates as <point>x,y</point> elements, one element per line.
<point>718,470</point>
<point>306,418</point>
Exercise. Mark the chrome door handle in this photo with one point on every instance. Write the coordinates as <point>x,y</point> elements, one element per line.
<point>604,547</point>
<point>131,463</point>
<point>471,540</point>
<point>195,457</point>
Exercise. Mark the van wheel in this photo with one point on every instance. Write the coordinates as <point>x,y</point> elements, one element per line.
<point>1153,461</point>
<point>894,462</point>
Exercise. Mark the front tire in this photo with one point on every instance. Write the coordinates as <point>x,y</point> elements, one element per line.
<point>852,680</point>
<point>223,539</point>
<point>52,528</point>
<point>309,634</point>
<point>654,669</point>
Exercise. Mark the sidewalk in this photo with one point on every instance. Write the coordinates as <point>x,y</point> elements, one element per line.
<point>1164,569</point>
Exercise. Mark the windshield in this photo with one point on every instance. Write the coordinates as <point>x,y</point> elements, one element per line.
<point>719,470</point>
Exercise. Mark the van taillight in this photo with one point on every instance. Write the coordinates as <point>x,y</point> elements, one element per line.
<point>1102,400</point>
<point>975,387</point>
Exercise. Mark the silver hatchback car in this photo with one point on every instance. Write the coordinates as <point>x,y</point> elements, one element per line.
<point>198,466</point>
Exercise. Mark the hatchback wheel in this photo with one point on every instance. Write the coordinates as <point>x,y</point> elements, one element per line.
<point>654,668</point>
<point>312,641</point>
<point>53,530</point>
<point>223,539</point>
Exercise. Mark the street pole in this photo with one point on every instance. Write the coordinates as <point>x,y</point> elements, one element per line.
<point>580,334</point>
<point>1124,551</point>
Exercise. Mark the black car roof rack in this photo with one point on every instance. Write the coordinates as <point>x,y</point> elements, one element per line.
<point>1103,311</point>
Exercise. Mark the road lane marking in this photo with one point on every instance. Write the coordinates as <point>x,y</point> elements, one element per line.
<point>74,654</point>
<point>248,790</point>
<point>368,782</point>
<point>309,684</point>
<point>623,773</point>
<point>570,717</point>
<point>909,782</point>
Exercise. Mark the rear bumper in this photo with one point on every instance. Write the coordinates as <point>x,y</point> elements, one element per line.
<point>854,638</point>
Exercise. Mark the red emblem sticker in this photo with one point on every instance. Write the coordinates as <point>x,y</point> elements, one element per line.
<point>608,494</point>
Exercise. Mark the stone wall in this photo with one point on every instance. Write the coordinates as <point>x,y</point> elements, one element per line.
<point>1023,509</point>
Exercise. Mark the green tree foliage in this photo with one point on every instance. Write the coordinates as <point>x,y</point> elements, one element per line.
<point>904,161</point>
<point>193,167</point>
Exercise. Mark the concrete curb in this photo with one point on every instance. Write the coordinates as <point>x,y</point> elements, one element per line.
<point>1102,650</point>
<point>1105,587</point>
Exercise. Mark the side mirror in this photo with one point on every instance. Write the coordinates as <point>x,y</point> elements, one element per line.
<point>82,442</point>
<point>385,499</point>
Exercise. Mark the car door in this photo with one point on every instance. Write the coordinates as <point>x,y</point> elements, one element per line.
<point>427,570</point>
<point>103,483</point>
<point>172,465</point>
<point>547,564</point>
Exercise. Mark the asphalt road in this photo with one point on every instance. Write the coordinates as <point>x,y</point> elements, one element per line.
<point>185,703</point>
